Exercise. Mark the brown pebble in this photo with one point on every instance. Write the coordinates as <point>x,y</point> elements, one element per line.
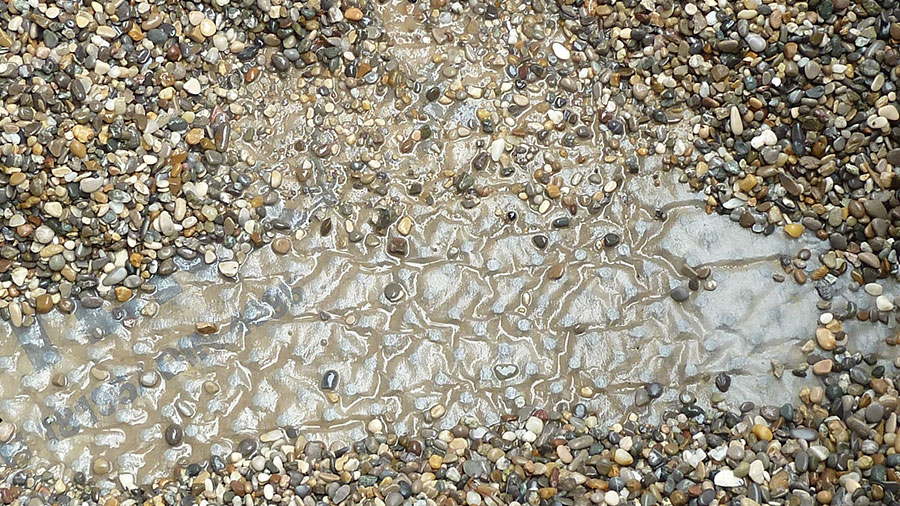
<point>17,178</point>
<point>556,271</point>
<point>123,293</point>
<point>44,303</point>
<point>823,367</point>
<point>77,148</point>
<point>207,328</point>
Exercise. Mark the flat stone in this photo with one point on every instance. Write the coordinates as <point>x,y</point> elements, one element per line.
<point>726,478</point>
<point>229,268</point>
<point>192,86</point>
<point>90,184</point>
<point>757,44</point>
<point>737,124</point>
<point>889,112</point>
<point>560,51</point>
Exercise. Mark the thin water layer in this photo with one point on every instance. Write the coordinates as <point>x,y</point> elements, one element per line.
<point>481,329</point>
<point>483,325</point>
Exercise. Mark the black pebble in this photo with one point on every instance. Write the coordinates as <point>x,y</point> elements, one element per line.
<point>330,380</point>
<point>174,434</point>
<point>723,382</point>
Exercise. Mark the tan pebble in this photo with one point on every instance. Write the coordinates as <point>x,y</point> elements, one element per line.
<point>211,387</point>
<point>281,246</point>
<point>100,466</point>
<point>7,429</point>
<point>889,112</point>
<point>794,229</point>
<point>123,293</point>
<point>748,183</point>
<point>556,272</point>
<point>194,136</point>
<point>437,411</point>
<point>825,338</point>
<point>17,178</point>
<point>99,374</point>
<point>207,27</point>
<point>77,148</point>
<point>44,303</point>
<point>375,426</point>
<point>405,225</point>
<point>823,367</point>
<point>83,133</point>
<point>762,432</point>
<point>622,457</point>
<point>353,14</point>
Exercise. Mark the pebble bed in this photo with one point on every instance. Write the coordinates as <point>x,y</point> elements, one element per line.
<point>116,136</point>
<point>119,118</point>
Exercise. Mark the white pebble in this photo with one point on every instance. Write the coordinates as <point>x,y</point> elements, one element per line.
<point>883,303</point>
<point>874,289</point>
<point>192,86</point>
<point>561,51</point>
<point>535,425</point>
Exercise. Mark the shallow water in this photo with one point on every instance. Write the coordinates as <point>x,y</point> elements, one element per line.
<point>481,328</point>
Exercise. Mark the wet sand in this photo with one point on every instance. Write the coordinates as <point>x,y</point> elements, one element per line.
<point>481,328</point>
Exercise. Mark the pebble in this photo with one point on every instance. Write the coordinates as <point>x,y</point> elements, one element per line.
<point>393,292</point>
<point>560,51</point>
<point>229,268</point>
<point>174,435</point>
<point>193,86</point>
<point>680,294</point>
<point>281,246</point>
<point>7,429</point>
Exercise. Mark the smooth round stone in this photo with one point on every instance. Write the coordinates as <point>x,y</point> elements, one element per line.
<point>735,452</point>
<point>329,380</point>
<point>57,262</point>
<point>375,426</point>
<point>258,463</point>
<point>560,51</point>
<point>757,44</point>
<point>874,289</point>
<point>281,246</point>
<point>174,435</point>
<point>207,27</point>
<point>884,304</point>
<point>247,447</point>
<point>680,293</point>
<point>100,466</point>
<point>622,457</point>
<point>393,292</point>
<point>534,425</point>
<point>874,412</point>
<point>115,277</point>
